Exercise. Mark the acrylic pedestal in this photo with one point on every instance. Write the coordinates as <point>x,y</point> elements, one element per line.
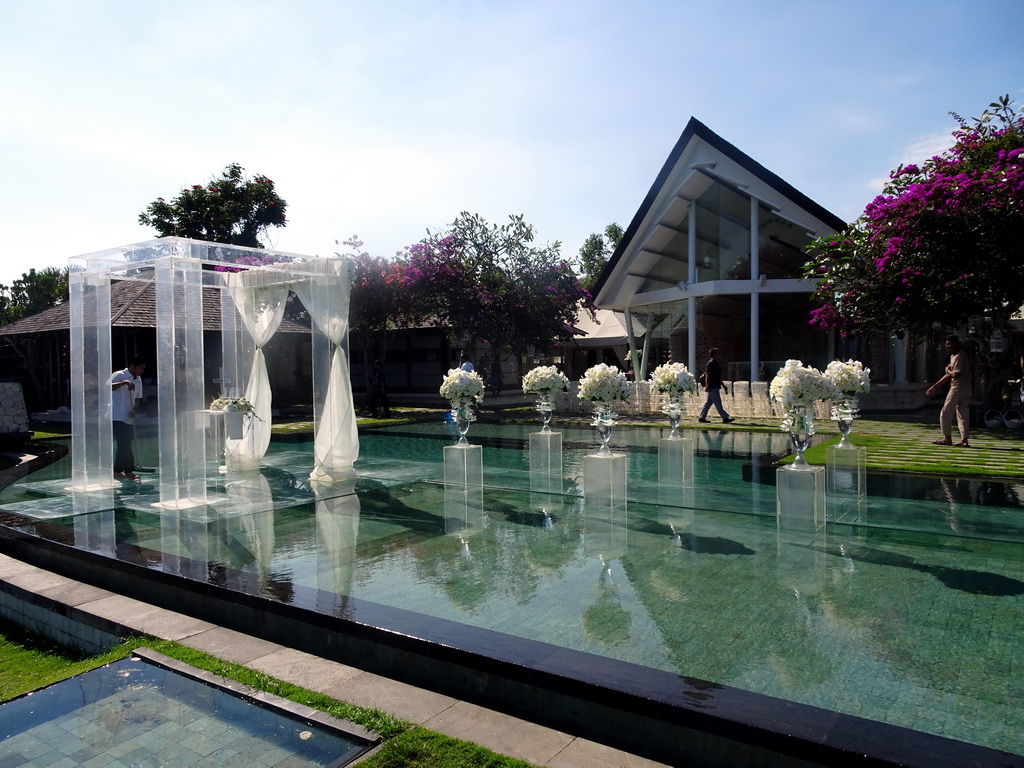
<point>675,461</point>
<point>604,481</point>
<point>546,453</point>
<point>800,497</point>
<point>846,482</point>
<point>604,506</point>
<point>463,489</point>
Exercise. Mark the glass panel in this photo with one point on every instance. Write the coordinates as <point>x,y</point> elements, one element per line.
<point>723,234</point>
<point>724,322</point>
<point>781,246</point>
<point>785,332</point>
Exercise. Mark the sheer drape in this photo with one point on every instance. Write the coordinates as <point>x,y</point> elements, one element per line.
<point>260,296</point>
<point>336,443</point>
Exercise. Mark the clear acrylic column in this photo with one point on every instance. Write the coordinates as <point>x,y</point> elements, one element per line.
<point>846,482</point>
<point>463,491</point>
<point>800,496</point>
<point>545,470</point>
<point>180,376</point>
<point>92,453</point>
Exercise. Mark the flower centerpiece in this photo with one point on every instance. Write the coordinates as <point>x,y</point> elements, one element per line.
<point>545,381</point>
<point>674,380</point>
<point>462,389</point>
<point>238,411</point>
<point>847,381</point>
<point>797,387</point>
<point>604,385</point>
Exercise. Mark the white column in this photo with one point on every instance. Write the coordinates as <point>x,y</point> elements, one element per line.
<point>755,296</point>
<point>691,272</point>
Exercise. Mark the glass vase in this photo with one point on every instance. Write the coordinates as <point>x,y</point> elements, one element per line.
<point>844,411</point>
<point>546,407</point>
<point>604,420</point>
<point>801,430</point>
<point>462,413</point>
<point>674,410</point>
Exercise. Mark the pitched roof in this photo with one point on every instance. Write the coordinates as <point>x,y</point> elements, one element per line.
<point>132,305</point>
<point>696,152</point>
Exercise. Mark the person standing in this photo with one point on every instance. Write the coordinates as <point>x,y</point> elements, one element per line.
<point>714,385</point>
<point>958,375</point>
<point>123,402</point>
<point>378,394</point>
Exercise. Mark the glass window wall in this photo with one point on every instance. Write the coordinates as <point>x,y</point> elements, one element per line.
<point>723,234</point>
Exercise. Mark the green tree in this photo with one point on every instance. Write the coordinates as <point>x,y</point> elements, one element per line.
<point>595,253</point>
<point>491,282</point>
<point>33,292</point>
<point>231,209</point>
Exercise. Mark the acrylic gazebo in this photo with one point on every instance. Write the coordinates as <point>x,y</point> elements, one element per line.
<point>254,285</point>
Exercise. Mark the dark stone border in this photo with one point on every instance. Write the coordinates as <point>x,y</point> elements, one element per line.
<point>664,716</point>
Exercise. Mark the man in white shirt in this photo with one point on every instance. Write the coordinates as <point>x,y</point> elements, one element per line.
<point>126,391</point>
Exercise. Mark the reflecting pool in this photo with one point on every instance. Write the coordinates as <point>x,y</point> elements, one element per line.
<point>906,608</point>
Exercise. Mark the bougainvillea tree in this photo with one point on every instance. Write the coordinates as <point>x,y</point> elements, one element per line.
<point>491,282</point>
<point>379,301</point>
<point>942,243</point>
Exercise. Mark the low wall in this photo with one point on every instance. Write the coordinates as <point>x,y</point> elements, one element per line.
<point>745,400</point>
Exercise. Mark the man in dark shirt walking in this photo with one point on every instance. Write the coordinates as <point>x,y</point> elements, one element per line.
<point>714,385</point>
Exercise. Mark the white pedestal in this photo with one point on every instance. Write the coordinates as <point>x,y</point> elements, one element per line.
<point>675,461</point>
<point>846,482</point>
<point>463,489</point>
<point>800,498</point>
<point>546,453</point>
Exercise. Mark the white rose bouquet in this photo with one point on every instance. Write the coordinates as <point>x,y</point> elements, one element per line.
<point>462,387</point>
<point>848,379</point>
<point>798,384</point>
<point>604,384</point>
<point>241,404</point>
<point>673,378</point>
<point>544,380</point>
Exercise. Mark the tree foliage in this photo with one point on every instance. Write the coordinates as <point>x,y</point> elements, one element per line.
<point>33,292</point>
<point>492,282</point>
<point>380,303</point>
<point>595,253</point>
<point>231,209</point>
<point>940,244</point>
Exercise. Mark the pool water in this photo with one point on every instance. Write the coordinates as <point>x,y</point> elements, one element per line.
<point>909,611</point>
<point>133,712</point>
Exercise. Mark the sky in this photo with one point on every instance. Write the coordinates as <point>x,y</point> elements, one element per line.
<point>387,118</point>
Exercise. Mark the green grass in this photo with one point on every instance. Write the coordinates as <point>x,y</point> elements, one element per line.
<point>29,662</point>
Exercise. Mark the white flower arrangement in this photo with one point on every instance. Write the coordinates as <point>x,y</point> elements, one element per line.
<point>604,384</point>
<point>797,384</point>
<point>545,380</point>
<point>673,378</point>
<point>241,404</point>
<point>462,387</point>
<point>848,379</point>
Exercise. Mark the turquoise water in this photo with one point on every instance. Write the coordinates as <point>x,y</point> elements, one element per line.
<point>908,612</point>
<point>134,713</point>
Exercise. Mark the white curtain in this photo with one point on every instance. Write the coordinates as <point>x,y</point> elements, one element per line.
<point>336,442</point>
<point>260,297</point>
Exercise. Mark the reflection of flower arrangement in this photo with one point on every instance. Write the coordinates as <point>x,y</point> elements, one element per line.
<point>462,387</point>
<point>604,384</point>
<point>673,379</point>
<point>544,380</point>
<point>848,379</point>
<point>797,384</point>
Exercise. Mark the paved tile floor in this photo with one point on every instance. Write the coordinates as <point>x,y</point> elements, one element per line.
<point>504,734</point>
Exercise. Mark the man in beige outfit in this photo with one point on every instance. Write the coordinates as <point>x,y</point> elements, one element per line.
<point>958,399</point>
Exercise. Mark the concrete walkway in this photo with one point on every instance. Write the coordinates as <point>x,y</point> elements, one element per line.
<point>42,600</point>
